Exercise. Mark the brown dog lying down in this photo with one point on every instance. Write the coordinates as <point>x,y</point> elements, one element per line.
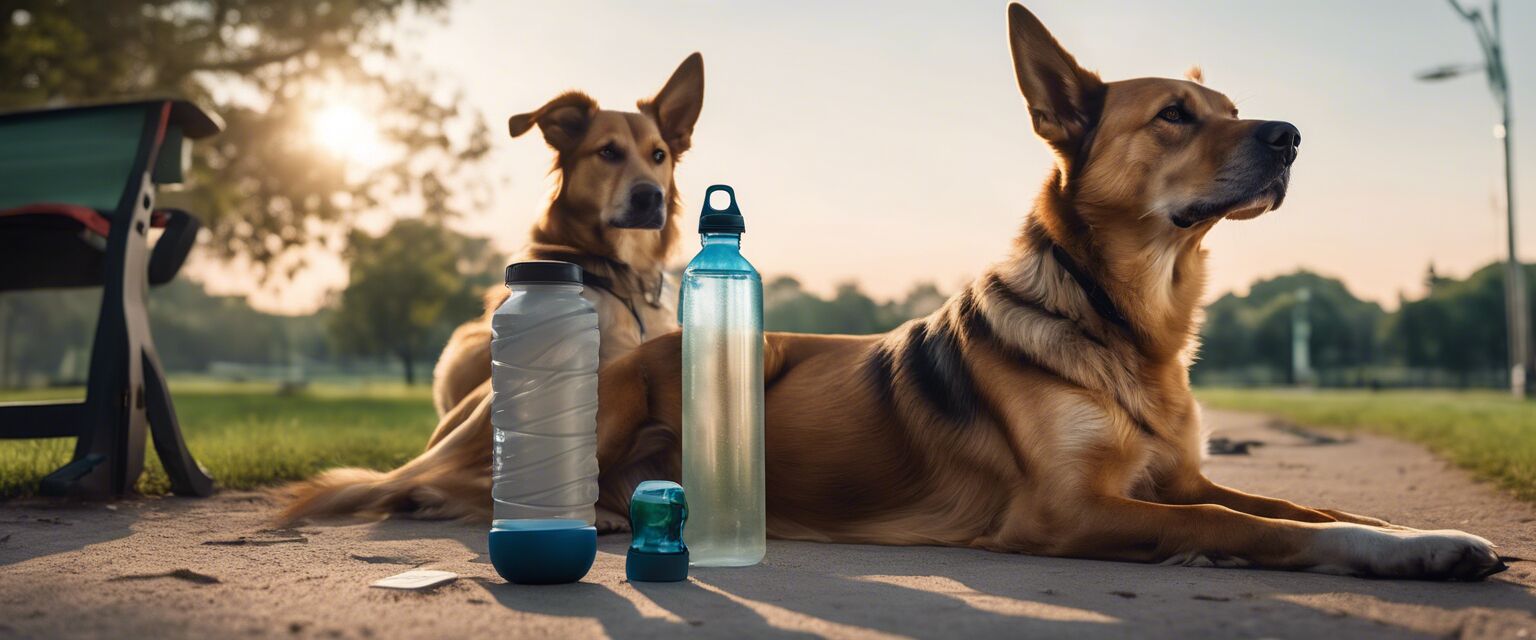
<point>1046,408</point>
<point>615,214</point>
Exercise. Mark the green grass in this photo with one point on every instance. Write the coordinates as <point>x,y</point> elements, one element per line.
<point>248,436</point>
<point>1491,434</point>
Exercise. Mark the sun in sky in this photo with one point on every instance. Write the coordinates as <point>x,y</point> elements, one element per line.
<point>345,131</point>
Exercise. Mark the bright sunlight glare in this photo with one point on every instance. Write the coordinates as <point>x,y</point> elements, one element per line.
<point>349,134</point>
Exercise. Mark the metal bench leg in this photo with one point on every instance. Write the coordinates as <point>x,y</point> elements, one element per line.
<point>188,478</point>
<point>109,455</point>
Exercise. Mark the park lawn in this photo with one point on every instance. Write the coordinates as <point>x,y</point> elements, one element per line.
<point>1491,434</point>
<point>247,435</point>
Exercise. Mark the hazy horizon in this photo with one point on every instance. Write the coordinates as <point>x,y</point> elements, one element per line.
<point>887,143</point>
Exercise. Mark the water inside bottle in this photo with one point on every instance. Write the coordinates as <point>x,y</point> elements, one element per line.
<point>723,419</point>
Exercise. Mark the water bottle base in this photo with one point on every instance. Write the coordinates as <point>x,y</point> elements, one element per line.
<point>706,565</point>
<point>542,551</point>
<point>725,561</point>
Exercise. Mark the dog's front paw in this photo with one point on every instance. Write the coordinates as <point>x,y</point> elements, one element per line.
<point>1421,555</point>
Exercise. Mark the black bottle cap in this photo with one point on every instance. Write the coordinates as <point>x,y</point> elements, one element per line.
<point>543,272</point>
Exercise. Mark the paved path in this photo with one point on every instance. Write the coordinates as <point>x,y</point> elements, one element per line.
<point>207,568</point>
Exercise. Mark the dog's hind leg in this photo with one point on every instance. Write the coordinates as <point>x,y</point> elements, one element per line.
<point>639,417</point>
<point>645,387</point>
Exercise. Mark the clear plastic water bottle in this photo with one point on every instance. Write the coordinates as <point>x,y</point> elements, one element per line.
<point>721,312</point>
<point>544,399</point>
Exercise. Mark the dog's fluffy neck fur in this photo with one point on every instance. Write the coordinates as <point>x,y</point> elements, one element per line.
<point>1154,277</point>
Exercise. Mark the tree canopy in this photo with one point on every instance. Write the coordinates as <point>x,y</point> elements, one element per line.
<point>1254,330</point>
<point>269,68</point>
<point>1459,326</point>
<point>789,307</point>
<point>404,284</point>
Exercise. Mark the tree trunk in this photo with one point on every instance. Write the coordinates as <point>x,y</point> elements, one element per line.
<point>410,370</point>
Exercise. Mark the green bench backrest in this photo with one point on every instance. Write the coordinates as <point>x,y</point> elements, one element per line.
<point>78,156</point>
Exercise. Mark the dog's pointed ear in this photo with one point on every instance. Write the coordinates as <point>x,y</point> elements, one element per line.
<point>676,107</point>
<point>1063,97</point>
<point>563,120</point>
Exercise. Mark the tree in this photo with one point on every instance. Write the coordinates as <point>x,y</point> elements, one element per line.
<point>1460,326</point>
<point>788,307</point>
<point>270,68</point>
<point>45,335</point>
<point>1254,331</point>
<point>408,287</point>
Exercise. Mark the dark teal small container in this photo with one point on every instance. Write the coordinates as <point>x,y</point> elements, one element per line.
<point>657,512</point>
<point>552,551</point>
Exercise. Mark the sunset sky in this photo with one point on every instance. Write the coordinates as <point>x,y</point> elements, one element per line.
<point>886,142</point>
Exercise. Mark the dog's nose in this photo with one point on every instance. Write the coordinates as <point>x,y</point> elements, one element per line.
<point>1280,136</point>
<point>645,197</point>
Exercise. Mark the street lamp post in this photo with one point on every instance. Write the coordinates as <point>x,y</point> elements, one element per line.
<point>1301,338</point>
<point>1490,39</point>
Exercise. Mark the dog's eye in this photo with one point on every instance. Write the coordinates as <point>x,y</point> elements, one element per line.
<point>610,152</point>
<point>658,155</point>
<point>1173,114</point>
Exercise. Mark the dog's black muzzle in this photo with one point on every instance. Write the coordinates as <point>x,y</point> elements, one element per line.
<point>646,209</point>
<point>1262,167</point>
<point>1283,138</point>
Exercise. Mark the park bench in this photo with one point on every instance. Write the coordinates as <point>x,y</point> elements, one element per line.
<point>77,202</point>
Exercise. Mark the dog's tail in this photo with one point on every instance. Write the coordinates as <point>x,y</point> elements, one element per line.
<point>364,492</point>
<point>337,492</point>
<point>452,479</point>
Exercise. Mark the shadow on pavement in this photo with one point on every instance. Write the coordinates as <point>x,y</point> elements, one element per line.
<point>925,592</point>
<point>37,527</point>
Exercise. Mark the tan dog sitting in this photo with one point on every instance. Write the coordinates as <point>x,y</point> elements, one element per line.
<point>614,214</point>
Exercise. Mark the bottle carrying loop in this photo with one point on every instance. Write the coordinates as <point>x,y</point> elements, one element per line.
<point>727,220</point>
<point>709,193</point>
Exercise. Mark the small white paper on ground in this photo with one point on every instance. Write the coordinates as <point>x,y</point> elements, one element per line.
<point>416,579</point>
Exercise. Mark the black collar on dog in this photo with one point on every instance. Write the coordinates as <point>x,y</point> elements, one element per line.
<point>599,282</point>
<point>1097,296</point>
<point>604,283</point>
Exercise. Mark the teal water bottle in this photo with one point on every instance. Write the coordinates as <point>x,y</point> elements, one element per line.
<point>721,312</point>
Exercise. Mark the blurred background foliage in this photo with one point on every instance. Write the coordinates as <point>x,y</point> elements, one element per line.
<point>1451,337</point>
<point>407,288</point>
<point>267,67</point>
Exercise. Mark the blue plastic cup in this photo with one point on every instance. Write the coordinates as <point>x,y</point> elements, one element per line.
<point>547,551</point>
